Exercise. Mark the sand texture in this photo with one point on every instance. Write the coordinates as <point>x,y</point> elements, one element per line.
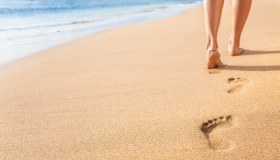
<point>142,92</point>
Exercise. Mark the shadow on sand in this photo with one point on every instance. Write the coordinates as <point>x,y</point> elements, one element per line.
<point>254,68</point>
<point>254,52</point>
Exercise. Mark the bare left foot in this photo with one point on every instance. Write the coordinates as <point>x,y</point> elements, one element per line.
<point>213,59</point>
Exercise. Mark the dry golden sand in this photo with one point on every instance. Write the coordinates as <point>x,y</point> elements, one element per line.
<point>141,92</point>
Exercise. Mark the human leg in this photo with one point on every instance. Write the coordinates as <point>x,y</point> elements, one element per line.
<point>213,12</point>
<point>240,12</point>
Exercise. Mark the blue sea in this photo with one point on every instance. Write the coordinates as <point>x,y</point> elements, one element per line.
<point>29,26</point>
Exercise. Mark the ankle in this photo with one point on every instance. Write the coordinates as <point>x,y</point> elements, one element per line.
<point>212,46</point>
<point>233,43</point>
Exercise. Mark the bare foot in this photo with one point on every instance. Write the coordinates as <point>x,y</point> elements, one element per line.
<point>234,50</point>
<point>213,59</point>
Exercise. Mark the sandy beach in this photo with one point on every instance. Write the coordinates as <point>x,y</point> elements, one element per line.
<point>141,91</point>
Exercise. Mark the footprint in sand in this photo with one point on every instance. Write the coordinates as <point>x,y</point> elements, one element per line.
<point>239,83</point>
<point>214,140</point>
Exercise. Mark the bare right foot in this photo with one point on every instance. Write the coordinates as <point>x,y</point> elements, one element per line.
<point>213,59</point>
<point>234,49</point>
<point>235,52</point>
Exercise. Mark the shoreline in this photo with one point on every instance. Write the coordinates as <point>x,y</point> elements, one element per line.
<point>76,35</point>
<point>140,91</point>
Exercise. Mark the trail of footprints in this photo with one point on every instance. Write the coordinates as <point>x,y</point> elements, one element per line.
<point>238,84</point>
<point>224,121</point>
<point>208,127</point>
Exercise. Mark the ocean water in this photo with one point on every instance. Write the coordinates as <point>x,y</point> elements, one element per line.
<point>29,26</point>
